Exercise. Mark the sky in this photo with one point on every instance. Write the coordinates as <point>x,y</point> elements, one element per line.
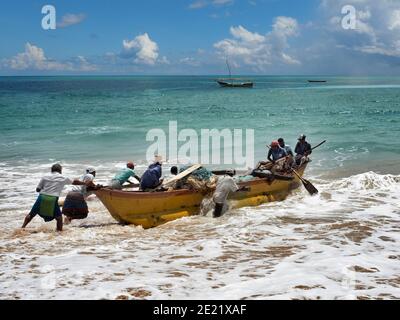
<point>195,37</point>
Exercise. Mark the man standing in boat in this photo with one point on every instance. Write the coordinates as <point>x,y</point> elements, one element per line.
<point>46,205</point>
<point>303,150</point>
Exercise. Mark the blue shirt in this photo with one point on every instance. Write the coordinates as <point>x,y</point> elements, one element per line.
<point>288,150</point>
<point>151,177</point>
<point>277,153</point>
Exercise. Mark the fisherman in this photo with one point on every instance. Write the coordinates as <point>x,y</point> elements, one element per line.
<point>123,176</point>
<point>49,189</point>
<point>151,178</point>
<point>75,206</point>
<point>288,164</point>
<point>303,150</point>
<point>287,148</point>
<point>225,186</point>
<point>276,152</point>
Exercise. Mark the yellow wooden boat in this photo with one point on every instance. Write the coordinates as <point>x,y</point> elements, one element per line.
<point>151,209</point>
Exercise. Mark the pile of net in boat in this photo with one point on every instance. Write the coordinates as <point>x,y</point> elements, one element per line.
<point>201,180</point>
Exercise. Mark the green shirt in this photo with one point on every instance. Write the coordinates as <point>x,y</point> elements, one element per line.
<point>124,175</point>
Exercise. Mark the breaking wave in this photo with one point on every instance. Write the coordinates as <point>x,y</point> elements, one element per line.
<point>341,244</point>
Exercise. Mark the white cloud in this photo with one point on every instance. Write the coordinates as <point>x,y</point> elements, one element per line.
<point>260,51</point>
<point>71,19</point>
<point>199,4</point>
<point>143,48</point>
<point>222,2</point>
<point>245,35</point>
<point>286,26</point>
<point>394,20</point>
<point>82,64</point>
<point>377,25</point>
<point>190,61</point>
<point>34,58</point>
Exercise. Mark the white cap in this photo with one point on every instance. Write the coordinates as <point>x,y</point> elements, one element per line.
<point>90,170</point>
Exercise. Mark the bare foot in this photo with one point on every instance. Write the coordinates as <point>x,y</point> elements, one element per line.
<point>67,220</point>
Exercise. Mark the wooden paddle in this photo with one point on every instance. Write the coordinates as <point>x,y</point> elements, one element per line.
<point>307,184</point>
<point>181,175</point>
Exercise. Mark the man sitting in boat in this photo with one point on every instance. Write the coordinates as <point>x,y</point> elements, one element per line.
<point>49,188</point>
<point>303,150</point>
<point>75,206</point>
<point>287,148</point>
<point>287,165</point>
<point>123,176</point>
<point>276,152</point>
<point>225,186</point>
<point>151,178</point>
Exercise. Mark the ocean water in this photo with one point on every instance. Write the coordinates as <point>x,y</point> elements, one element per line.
<point>341,244</point>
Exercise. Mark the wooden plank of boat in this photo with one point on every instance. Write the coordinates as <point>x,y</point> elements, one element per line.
<point>182,175</point>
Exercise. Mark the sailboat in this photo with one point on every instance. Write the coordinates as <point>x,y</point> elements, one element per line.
<point>234,82</point>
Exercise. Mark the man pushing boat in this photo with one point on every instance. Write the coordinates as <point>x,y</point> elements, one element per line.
<point>49,188</point>
<point>75,206</point>
<point>123,176</point>
<point>225,186</point>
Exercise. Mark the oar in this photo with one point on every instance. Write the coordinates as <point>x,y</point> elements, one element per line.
<point>318,145</point>
<point>307,184</point>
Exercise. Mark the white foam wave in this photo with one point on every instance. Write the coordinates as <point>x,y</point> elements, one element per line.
<point>340,244</point>
<point>96,130</point>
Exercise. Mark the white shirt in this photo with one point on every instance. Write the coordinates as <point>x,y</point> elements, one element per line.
<point>53,184</point>
<point>225,185</point>
<point>82,189</point>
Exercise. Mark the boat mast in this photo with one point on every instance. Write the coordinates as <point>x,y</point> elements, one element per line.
<point>229,69</point>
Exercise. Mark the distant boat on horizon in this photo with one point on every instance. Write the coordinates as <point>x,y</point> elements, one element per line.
<point>234,82</point>
<point>317,81</point>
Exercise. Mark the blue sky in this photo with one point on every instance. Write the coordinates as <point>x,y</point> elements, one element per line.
<point>194,37</point>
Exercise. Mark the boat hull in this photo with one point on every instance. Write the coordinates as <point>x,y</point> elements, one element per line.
<point>235,85</point>
<point>151,209</point>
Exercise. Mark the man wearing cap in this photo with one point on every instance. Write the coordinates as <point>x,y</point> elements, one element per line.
<point>276,152</point>
<point>75,206</point>
<point>123,176</point>
<point>303,149</point>
<point>49,188</point>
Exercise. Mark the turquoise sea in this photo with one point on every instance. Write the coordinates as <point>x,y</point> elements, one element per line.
<point>107,118</point>
<point>340,244</point>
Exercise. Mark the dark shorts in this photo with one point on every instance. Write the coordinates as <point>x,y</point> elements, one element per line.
<point>46,207</point>
<point>75,206</point>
